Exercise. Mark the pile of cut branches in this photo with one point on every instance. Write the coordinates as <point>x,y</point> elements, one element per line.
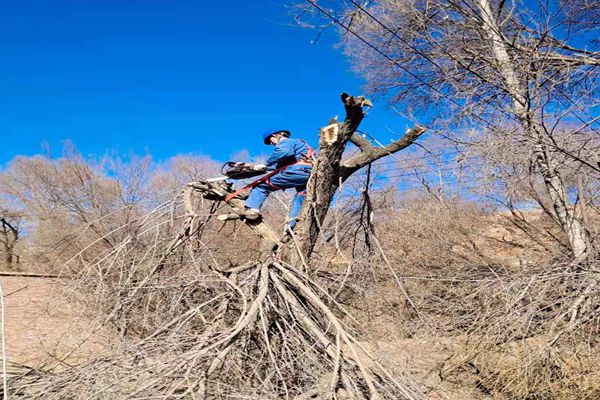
<point>191,328</point>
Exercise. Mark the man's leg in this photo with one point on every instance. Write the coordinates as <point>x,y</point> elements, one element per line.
<point>293,178</point>
<point>295,207</point>
<point>258,195</point>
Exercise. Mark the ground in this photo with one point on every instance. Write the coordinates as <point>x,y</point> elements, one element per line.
<point>39,325</point>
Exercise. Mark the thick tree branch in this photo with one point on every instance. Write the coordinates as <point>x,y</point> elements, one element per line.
<point>218,191</point>
<point>370,153</point>
<point>360,142</point>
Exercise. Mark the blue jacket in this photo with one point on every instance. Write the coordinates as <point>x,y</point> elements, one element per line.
<point>286,152</point>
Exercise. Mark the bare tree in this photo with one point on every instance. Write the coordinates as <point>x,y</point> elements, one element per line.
<point>69,201</point>
<point>505,175</point>
<point>488,64</point>
<point>9,235</point>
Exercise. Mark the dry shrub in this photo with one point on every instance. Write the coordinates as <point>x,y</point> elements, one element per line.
<point>530,370</point>
<point>437,253</point>
<point>424,234</point>
<point>522,317</point>
<point>534,334</point>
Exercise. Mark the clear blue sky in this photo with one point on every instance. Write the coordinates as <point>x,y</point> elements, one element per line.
<point>165,78</point>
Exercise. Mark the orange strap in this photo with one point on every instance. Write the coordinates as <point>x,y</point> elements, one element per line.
<point>306,159</point>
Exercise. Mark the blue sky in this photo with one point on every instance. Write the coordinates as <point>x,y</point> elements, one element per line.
<point>166,78</point>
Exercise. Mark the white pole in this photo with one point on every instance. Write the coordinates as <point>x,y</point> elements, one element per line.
<point>4,361</point>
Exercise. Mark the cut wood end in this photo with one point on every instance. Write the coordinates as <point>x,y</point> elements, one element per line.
<point>330,133</point>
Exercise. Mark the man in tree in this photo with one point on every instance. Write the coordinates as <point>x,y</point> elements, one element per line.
<point>290,166</point>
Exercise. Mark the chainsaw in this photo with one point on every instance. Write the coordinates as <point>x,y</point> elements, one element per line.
<point>239,170</point>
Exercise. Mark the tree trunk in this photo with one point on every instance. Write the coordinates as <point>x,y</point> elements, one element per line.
<point>325,178</point>
<point>8,256</point>
<point>328,171</point>
<point>568,216</point>
<point>10,235</point>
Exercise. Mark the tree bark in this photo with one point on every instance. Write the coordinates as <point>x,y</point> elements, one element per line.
<point>329,172</point>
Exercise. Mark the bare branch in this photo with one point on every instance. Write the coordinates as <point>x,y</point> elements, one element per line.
<point>371,154</point>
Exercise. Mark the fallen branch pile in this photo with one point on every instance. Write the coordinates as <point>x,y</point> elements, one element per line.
<point>191,328</point>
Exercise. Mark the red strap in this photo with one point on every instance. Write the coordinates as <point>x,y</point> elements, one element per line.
<point>268,182</point>
<point>309,157</point>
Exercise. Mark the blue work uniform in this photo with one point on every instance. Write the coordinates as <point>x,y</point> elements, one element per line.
<point>286,152</point>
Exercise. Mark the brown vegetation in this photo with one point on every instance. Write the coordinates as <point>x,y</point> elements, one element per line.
<point>454,300</point>
<point>472,274</point>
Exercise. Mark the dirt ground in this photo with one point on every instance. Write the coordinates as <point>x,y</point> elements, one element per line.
<point>40,328</point>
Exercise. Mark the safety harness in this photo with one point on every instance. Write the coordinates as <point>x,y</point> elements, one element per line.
<point>306,159</point>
